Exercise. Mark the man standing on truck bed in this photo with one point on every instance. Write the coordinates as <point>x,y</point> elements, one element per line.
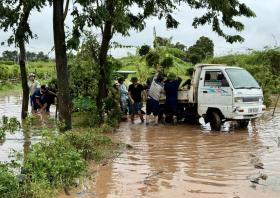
<point>171,87</point>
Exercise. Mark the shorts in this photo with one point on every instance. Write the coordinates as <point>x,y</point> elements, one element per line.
<point>135,108</point>
<point>152,106</point>
<point>124,105</point>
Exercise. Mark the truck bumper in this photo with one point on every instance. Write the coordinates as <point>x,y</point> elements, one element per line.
<point>247,112</point>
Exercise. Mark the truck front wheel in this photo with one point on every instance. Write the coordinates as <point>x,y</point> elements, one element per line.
<point>215,121</point>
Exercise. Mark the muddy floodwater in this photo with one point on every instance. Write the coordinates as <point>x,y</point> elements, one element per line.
<point>184,160</point>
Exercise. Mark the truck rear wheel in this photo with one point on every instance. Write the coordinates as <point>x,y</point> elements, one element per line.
<point>243,123</point>
<point>215,121</point>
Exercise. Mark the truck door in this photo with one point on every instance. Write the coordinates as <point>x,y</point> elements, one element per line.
<point>214,91</point>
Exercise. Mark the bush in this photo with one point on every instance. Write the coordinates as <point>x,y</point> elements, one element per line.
<point>54,163</point>
<point>9,185</point>
<point>89,143</point>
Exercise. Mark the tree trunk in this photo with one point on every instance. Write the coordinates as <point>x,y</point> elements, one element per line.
<point>23,73</point>
<point>64,100</point>
<point>102,61</point>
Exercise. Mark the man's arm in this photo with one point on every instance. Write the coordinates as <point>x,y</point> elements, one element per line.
<point>38,102</point>
<point>130,97</point>
<point>144,93</point>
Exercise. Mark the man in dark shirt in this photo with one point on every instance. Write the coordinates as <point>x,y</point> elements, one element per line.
<point>171,87</point>
<point>42,99</point>
<point>135,91</point>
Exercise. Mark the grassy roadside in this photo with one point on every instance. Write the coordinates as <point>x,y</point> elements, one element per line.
<point>59,161</point>
<point>8,87</point>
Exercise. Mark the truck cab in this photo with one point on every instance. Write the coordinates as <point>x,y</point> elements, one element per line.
<point>227,93</point>
<point>220,93</point>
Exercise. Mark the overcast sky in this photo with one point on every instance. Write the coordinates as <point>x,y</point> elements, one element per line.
<point>261,31</point>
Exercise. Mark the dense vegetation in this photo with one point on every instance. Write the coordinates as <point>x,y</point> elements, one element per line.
<point>263,65</point>
<point>57,161</point>
<point>87,77</point>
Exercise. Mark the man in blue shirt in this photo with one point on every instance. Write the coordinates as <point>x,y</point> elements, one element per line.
<point>171,87</point>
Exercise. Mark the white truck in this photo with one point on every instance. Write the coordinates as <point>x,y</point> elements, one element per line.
<point>219,93</point>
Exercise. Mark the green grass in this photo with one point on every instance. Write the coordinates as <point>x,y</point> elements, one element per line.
<point>44,71</point>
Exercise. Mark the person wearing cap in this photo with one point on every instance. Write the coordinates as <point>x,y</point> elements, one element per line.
<point>171,87</point>
<point>33,85</point>
<point>152,106</point>
<point>135,92</point>
<point>123,96</point>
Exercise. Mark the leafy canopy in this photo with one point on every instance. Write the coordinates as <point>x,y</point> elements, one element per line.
<point>14,16</point>
<point>125,15</point>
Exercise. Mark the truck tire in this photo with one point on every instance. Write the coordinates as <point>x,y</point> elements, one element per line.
<point>215,121</point>
<point>243,123</point>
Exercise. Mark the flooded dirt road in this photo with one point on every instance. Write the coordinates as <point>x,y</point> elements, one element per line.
<point>182,161</point>
<point>185,161</point>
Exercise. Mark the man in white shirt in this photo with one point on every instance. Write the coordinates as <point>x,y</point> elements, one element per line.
<point>33,85</point>
<point>152,106</point>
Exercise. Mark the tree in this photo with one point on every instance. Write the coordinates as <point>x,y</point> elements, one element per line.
<point>202,49</point>
<point>10,55</point>
<point>111,17</point>
<point>14,16</point>
<point>64,100</point>
<point>152,59</point>
<point>144,50</point>
<point>180,46</point>
<point>31,56</point>
<point>273,59</point>
<point>117,16</point>
<point>41,56</point>
<point>167,62</point>
<point>206,45</point>
<point>161,41</point>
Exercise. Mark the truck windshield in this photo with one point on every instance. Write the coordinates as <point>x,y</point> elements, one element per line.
<point>242,79</point>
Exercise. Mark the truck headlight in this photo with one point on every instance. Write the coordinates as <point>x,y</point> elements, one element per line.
<point>261,99</point>
<point>238,99</point>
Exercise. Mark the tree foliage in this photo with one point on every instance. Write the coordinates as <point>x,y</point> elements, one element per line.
<point>10,55</point>
<point>144,49</point>
<point>14,16</point>
<point>167,62</point>
<point>202,49</point>
<point>152,59</point>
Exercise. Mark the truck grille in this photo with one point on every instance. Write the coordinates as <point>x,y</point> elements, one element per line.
<point>251,99</point>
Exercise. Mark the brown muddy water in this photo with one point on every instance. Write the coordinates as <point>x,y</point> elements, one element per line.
<point>182,161</point>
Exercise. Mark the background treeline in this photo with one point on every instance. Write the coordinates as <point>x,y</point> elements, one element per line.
<point>264,65</point>
<point>38,63</point>
<point>13,56</point>
<point>172,56</point>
